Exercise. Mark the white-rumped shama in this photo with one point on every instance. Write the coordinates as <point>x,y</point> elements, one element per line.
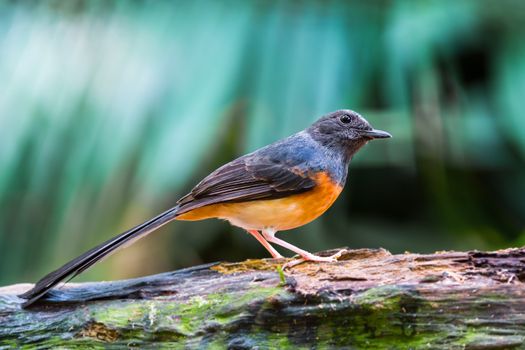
<point>279,187</point>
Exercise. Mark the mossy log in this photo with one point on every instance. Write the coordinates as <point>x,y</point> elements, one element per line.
<point>370,299</point>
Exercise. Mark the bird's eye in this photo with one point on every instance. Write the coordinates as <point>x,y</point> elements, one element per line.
<point>345,119</point>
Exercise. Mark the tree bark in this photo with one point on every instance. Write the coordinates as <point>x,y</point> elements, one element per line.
<point>370,299</point>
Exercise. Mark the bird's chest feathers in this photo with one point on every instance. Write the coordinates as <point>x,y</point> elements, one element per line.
<point>284,213</point>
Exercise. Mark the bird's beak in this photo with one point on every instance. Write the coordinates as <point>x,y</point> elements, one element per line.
<point>376,134</point>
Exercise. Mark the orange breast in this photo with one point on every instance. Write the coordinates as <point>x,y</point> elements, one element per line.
<point>280,214</point>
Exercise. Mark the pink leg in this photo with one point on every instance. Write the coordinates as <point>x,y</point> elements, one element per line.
<point>259,237</point>
<point>269,235</point>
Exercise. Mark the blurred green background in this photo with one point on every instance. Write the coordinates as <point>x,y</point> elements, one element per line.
<point>111,110</point>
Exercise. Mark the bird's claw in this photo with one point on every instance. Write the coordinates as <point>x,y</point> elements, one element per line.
<point>314,258</point>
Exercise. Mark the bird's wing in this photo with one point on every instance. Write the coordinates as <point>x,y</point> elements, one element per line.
<point>246,179</point>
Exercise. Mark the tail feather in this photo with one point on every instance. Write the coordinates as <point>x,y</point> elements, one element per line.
<point>84,261</point>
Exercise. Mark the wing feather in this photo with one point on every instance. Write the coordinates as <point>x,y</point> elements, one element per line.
<point>246,179</point>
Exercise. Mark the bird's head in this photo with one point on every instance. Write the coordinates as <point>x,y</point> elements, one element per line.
<point>344,130</point>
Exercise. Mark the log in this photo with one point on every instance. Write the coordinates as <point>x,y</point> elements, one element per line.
<point>370,299</point>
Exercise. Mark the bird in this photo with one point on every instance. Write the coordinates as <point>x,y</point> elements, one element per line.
<point>279,187</point>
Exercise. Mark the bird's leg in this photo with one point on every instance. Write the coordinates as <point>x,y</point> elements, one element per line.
<point>269,235</point>
<point>259,237</point>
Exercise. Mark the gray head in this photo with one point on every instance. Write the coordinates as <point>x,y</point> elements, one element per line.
<point>344,130</point>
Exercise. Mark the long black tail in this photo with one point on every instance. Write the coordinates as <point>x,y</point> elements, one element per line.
<point>78,265</point>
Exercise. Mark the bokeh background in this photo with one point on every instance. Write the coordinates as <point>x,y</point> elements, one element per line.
<point>111,110</point>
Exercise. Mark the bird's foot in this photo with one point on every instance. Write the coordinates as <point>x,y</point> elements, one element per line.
<point>315,258</point>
